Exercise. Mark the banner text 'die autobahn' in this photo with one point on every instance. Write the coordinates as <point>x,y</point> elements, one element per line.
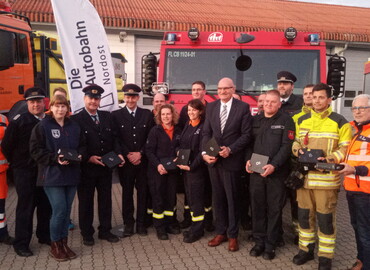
<point>86,55</point>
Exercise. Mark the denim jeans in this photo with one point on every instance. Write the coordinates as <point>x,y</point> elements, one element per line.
<point>359,210</point>
<point>61,199</point>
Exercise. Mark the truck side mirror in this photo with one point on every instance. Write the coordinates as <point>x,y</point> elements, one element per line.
<point>148,72</point>
<point>6,50</point>
<point>336,74</point>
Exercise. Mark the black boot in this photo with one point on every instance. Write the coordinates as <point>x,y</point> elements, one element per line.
<point>324,263</point>
<point>187,219</point>
<point>302,257</point>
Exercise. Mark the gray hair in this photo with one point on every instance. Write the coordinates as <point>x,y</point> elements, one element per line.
<point>362,96</point>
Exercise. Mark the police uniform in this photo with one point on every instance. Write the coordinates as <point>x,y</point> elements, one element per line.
<point>15,147</point>
<point>294,102</point>
<point>133,130</point>
<point>272,137</point>
<point>100,140</point>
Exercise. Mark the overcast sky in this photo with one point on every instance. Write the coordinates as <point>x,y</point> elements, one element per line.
<point>357,3</point>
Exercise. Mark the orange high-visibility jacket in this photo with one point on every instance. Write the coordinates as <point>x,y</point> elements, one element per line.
<point>358,156</point>
<point>3,162</point>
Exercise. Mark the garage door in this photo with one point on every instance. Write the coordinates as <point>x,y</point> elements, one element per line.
<point>354,78</point>
<point>144,45</point>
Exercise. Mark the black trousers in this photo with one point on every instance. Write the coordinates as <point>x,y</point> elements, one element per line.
<point>267,201</point>
<point>163,191</point>
<point>102,182</point>
<point>194,188</point>
<point>131,177</point>
<point>30,197</point>
<point>225,191</point>
<point>245,218</point>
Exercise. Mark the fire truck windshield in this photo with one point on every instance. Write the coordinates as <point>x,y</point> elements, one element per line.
<point>184,66</point>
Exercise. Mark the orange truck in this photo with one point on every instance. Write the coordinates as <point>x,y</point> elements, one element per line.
<point>27,58</point>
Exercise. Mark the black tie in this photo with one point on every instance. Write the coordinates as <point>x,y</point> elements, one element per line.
<point>95,119</point>
<point>133,114</point>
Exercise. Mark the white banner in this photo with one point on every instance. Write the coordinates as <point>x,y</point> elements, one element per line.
<point>85,50</point>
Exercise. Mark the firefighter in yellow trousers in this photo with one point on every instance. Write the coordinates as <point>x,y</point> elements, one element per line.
<point>325,130</point>
<point>4,235</point>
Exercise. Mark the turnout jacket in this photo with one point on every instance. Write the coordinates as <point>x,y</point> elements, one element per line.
<point>329,132</point>
<point>46,139</point>
<point>358,156</point>
<point>273,137</point>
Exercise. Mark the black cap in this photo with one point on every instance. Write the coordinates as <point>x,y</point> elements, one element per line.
<point>131,89</point>
<point>286,76</point>
<point>93,91</point>
<point>34,93</point>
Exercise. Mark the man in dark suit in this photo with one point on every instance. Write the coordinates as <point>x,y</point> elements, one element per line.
<point>97,127</point>
<point>133,124</point>
<point>228,120</point>
<point>290,103</point>
<point>15,146</point>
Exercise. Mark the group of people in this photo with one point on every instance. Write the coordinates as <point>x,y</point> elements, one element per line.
<point>150,146</point>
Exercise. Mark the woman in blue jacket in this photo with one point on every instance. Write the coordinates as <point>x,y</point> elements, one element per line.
<point>58,176</point>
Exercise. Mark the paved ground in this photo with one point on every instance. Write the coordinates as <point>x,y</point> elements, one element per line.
<point>138,252</point>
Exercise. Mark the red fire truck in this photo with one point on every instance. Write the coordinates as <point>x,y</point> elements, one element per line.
<point>251,59</point>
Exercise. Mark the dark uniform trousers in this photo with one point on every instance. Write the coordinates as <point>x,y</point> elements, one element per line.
<point>134,176</point>
<point>267,200</point>
<point>225,191</point>
<point>100,140</point>
<point>194,188</point>
<point>30,196</point>
<point>101,180</point>
<point>163,190</point>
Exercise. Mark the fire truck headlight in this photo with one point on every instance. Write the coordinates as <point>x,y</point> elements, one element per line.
<point>193,33</point>
<point>162,88</point>
<point>290,34</point>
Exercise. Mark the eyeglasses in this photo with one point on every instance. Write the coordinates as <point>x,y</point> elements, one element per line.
<point>360,109</point>
<point>224,88</point>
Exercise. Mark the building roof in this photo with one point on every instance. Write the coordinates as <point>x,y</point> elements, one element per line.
<point>333,22</point>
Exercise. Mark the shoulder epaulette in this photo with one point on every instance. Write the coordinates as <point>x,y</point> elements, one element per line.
<point>338,119</point>
<point>303,117</point>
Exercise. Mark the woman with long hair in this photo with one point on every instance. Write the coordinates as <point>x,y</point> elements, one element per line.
<point>57,174</point>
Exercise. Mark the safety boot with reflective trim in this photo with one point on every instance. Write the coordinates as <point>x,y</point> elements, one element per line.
<point>302,257</point>
<point>324,263</point>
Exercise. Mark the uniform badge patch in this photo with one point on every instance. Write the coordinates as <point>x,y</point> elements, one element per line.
<point>55,133</point>
<point>291,134</point>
